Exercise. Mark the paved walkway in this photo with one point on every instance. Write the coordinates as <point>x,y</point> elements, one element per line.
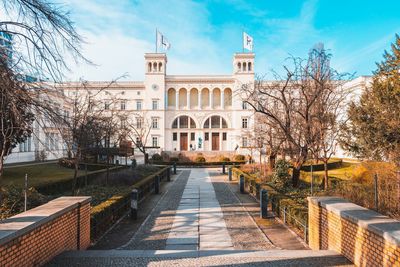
<point>202,220</point>
<point>199,222</point>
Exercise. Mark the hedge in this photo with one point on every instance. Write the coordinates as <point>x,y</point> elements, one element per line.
<point>320,167</point>
<point>65,185</point>
<point>296,207</point>
<point>104,215</point>
<point>200,164</point>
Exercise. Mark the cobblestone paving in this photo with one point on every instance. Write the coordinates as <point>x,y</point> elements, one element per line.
<point>244,232</point>
<point>200,258</point>
<point>154,232</point>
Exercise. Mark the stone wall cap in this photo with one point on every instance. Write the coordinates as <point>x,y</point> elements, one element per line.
<point>365,218</point>
<point>25,222</point>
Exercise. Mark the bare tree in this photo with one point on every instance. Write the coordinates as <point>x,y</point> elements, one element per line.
<point>43,36</point>
<point>137,130</point>
<point>38,36</point>
<point>90,125</point>
<point>16,117</point>
<point>289,102</point>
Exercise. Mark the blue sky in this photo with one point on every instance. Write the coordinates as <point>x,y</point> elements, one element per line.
<point>205,34</point>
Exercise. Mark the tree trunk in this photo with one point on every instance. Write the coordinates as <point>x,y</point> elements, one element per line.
<point>1,166</point>
<point>326,181</point>
<point>75,180</point>
<point>296,175</point>
<point>272,160</point>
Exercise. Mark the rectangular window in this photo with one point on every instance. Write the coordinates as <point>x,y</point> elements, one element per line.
<point>192,136</point>
<point>206,137</point>
<point>244,142</point>
<point>245,123</point>
<point>154,123</point>
<point>139,123</point>
<point>123,104</point>
<point>123,123</point>
<point>155,104</point>
<point>223,136</point>
<point>107,104</point>
<point>174,137</point>
<point>245,105</point>
<point>139,105</point>
<point>155,141</point>
<point>25,146</point>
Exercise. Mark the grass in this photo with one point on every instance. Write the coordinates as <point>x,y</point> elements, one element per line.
<point>344,173</point>
<point>37,174</point>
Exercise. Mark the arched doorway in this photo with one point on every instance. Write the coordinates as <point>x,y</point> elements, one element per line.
<point>215,135</point>
<point>183,134</point>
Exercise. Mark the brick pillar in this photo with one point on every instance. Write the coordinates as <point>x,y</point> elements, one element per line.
<point>314,224</point>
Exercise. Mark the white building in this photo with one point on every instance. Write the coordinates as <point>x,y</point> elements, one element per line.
<point>186,112</point>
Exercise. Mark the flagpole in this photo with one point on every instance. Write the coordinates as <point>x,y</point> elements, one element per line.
<point>156,40</point>
<point>242,40</point>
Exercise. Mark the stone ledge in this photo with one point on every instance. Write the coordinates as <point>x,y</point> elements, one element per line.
<point>20,224</point>
<point>368,219</point>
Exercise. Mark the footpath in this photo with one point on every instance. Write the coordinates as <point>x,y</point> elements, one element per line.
<point>200,219</point>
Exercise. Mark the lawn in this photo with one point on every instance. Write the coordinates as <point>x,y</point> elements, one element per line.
<point>343,173</point>
<point>37,174</point>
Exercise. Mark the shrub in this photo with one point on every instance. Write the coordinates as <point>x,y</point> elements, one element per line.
<point>281,175</point>
<point>364,172</point>
<point>200,159</point>
<point>173,159</point>
<point>134,163</point>
<point>67,163</point>
<point>239,157</point>
<point>156,157</point>
<point>224,159</point>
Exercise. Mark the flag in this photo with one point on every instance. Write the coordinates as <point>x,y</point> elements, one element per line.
<point>162,42</point>
<point>247,42</point>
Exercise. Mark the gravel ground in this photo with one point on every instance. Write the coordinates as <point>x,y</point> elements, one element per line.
<point>153,234</point>
<point>244,232</point>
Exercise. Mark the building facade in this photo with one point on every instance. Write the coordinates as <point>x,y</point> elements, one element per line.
<point>203,113</point>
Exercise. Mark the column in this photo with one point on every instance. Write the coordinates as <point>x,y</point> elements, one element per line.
<point>220,141</point>
<point>188,99</point>
<point>222,99</point>
<point>178,138</point>
<point>176,100</point>
<point>199,100</point>
<point>211,99</point>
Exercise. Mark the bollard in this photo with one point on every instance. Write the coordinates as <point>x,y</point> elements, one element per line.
<point>223,168</point>
<point>230,173</point>
<point>263,203</point>
<point>134,203</point>
<point>174,167</point>
<point>168,174</point>
<point>157,184</point>
<point>241,184</point>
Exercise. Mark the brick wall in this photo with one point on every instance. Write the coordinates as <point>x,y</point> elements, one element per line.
<point>34,237</point>
<point>365,237</point>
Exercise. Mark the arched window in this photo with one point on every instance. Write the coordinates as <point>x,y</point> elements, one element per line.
<point>216,95</point>
<point>249,66</point>
<point>159,66</point>
<point>244,66</point>
<point>171,97</point>
<point>227,98</point>
<point>149,67</point>
<point>215,122</point>
<point>194,98</point>
<point>183,122</point>
<point>205,98</point>
<point>182,98</point>
<point>154,66</point>
<point>239,66</point>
